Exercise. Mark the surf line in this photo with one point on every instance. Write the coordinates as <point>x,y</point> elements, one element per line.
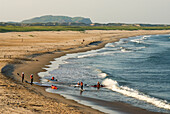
<point>114,86</point>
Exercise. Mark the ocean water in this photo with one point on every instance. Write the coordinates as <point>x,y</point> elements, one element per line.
<point>135,70</point>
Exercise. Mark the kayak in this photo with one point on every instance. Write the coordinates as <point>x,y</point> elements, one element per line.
<point>54,87</point>
<point>96,86</point>
<point>76,85</point>
<point>52,81</point>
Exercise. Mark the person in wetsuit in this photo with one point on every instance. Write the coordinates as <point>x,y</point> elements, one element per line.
<point>98,85</point>
<point>22,76</point>
<point>31,79</point>
<point>81,85</point>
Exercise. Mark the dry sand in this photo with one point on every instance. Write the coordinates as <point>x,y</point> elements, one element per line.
<point>29,52</point>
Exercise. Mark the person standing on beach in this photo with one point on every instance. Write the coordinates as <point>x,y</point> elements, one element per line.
<point>31,79</point>
<point>22,75</point>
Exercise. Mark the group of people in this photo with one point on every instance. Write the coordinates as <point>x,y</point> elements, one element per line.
<point>31,76</point>
<point>81,85</point>
<point>52,86</point>
<point>55,87</point>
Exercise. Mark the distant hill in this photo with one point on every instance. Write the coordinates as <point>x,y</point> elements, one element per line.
<point>58,19</point>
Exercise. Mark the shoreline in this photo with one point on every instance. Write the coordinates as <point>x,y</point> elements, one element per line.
<point>44,59</point>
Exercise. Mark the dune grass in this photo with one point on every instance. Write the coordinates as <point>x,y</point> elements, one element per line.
<point>75,28</point>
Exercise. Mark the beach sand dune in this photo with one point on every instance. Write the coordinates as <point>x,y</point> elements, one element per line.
<point>29,52</point>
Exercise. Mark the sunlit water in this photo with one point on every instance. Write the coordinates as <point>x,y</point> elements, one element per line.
<point>135,70</point>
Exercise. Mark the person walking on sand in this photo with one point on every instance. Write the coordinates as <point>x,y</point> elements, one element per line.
<point>31,79</point>
<point>22,75</point>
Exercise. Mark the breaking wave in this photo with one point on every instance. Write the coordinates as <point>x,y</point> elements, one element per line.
<point>94,54</point>
<point>114,86</point>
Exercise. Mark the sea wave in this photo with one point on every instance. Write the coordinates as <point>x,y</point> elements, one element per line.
<point>114,86</point>
<point>55,65</point>
<point>102,75</point>
<point>139,41</point>
<point>110,45</point>
<point>146,37</point>
<point>125,50</point>
<point>95,54</point>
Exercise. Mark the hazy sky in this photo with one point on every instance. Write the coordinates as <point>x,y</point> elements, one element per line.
<point>103,11</point>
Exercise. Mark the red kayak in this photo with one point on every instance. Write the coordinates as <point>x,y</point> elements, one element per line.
<point>53,87</point>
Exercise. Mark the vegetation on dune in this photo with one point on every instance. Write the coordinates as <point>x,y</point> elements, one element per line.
<point>75,28</point>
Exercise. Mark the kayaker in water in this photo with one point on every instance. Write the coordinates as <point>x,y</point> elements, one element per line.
<point>53,87</point>
<point>54,78</point>
<point>98,85</point>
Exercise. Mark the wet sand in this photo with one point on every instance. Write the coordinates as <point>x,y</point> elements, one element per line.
<point>29,52</point>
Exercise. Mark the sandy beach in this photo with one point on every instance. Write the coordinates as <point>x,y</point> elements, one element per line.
<point>29,52</point>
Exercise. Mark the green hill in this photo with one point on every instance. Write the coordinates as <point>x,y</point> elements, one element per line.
<point>58,19</point>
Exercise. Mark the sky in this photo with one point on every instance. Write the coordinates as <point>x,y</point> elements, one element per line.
<point>99,11</point>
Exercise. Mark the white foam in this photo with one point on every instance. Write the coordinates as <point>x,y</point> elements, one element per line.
<point>141,40</point>
<point>138,48</point>
<point>146,37</point>
<point>109,83</point>
<point>137,41</point>
<point>88,55</point>
<point>102,75</point>
<point>55,64</point>
<point>43,74</point>
<point>125,50</point>
<point>95,54</point>
<point>114,86</point>
<point>109,45</point>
